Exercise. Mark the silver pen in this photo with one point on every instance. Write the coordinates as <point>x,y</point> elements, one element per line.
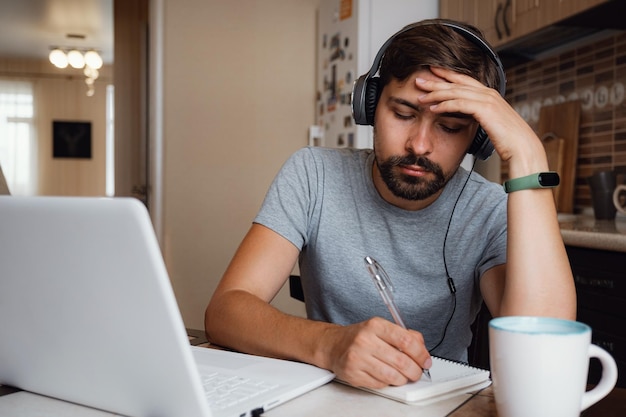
<point>385,289</point>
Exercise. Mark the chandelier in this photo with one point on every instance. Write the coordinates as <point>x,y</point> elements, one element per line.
<point>87,59</point>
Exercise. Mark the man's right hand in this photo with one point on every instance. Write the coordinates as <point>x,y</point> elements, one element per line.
<point>375,353</point>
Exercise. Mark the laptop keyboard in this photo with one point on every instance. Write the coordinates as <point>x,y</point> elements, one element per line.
<point>224,390</point>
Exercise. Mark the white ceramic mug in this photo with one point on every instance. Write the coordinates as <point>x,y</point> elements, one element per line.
<point>618,190</point>
<point>539,367</point>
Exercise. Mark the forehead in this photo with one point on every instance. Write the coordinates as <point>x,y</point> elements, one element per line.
<point>409,82</point>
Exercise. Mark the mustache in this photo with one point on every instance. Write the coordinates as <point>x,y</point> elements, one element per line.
<point>416,160</point>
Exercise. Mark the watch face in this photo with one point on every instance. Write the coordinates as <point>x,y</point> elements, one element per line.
<point>548,179</point>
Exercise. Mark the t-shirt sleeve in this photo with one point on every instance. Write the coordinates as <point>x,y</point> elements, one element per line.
<point>290,199</point>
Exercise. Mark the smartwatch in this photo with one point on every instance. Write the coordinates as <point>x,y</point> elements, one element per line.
<point>529,182</point>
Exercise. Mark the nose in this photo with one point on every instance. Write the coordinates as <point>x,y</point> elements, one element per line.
<point>420,140</point>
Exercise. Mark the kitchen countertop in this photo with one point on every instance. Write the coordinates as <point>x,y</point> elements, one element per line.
<point>584,230</point>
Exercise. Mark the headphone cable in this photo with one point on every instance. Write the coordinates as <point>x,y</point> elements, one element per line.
<point>451,285</point>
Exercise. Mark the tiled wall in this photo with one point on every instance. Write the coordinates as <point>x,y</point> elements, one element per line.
<point>595,74</point>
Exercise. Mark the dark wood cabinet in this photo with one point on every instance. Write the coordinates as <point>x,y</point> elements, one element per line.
<point>504,21</point>
<point>600,278</point>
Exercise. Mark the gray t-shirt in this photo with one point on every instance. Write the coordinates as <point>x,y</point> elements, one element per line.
<point>325,203</point>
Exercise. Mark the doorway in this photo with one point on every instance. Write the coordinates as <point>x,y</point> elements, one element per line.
<point>58,133</point>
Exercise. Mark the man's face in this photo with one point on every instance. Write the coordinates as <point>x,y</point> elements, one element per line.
<point>417,151</point>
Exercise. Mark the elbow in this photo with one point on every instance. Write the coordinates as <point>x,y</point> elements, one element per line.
<point>218,318</point>
<point>211,322</point>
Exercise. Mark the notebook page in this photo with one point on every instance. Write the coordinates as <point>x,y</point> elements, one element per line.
<point>447,377</point>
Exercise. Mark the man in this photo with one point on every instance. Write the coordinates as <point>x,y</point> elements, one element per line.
<point>448,238</point>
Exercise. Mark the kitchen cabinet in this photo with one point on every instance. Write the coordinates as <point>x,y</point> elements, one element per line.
<point>503,21</point>
<point>601,295</point>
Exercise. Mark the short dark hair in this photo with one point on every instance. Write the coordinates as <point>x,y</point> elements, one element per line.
<point>437,45</point>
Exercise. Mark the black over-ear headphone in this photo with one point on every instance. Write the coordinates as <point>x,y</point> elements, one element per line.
<point>365,91</point>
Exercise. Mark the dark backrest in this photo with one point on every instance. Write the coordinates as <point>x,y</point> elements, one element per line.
<point>295,287</point>
<point>478,351</point>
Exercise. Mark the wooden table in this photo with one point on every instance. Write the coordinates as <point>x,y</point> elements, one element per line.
<point>483,405</point>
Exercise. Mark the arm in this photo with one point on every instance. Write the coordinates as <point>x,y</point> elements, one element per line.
<point>374,353</point>
<point>537,279</point>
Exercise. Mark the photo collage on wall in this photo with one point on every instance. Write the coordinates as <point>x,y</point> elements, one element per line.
<point>336,75</point>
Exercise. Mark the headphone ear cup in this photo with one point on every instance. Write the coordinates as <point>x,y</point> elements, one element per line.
<point>358,110</point>
<point>372,94</point>
<point>481,146</point>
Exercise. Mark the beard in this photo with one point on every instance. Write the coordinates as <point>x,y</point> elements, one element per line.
<point>409,187</point>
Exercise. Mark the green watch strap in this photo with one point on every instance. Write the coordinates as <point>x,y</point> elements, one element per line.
<point>538,180</point>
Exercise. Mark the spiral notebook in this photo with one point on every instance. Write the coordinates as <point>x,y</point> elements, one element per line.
<point>448,379</point>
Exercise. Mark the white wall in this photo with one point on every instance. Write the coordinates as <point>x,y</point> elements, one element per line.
<point>238,90</point>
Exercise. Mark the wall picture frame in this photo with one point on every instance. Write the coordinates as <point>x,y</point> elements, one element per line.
<point>71,139</point>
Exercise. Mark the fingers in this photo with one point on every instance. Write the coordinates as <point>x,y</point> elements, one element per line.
<point>468,97</point>
<point>378,353</point>
<point>456,77</point>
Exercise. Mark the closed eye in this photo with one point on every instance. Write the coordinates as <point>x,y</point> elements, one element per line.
<point>403,116</point>
<point>455,124</point>
<point>449,129</point>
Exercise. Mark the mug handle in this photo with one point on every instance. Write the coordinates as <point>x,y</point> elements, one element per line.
<point>619,189</point>
<point>608,380</point>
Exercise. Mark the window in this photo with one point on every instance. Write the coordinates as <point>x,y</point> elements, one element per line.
<point>18,151</point>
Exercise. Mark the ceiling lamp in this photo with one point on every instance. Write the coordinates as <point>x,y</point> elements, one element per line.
<point>91,61</point>
<point>76,58</point>
<point>91,72</point>
<point>58,58</point>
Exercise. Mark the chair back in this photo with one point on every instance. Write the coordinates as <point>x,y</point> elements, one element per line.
<point>295,287</point>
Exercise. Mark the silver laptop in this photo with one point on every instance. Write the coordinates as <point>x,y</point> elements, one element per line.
<point>88,315</point>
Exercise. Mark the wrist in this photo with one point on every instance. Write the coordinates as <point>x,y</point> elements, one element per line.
<point>323,345</point>
<point>529,159</point>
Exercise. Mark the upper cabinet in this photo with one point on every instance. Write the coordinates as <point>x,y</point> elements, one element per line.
<point>503,21</point>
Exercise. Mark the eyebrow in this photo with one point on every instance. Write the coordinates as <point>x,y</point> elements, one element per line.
<point>456,115</point>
